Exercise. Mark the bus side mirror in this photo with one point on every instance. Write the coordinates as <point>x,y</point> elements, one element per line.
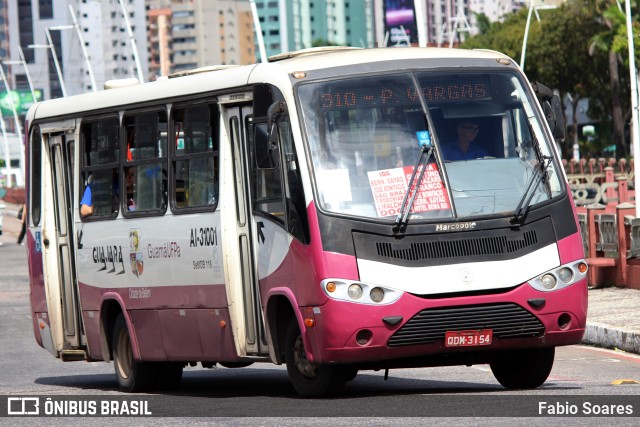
<point>552,108</point>
<point>271,153</point>
<point>266,150</point>
<point>276,110</point>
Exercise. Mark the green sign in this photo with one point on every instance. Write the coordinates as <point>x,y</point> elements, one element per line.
<point>22,100</point>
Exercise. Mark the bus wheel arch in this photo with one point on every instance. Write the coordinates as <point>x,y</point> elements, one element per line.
<point>109,312</point>
<point>132,375</point>
<point>280,312</point>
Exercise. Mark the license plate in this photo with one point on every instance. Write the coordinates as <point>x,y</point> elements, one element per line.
<point>468,338</point>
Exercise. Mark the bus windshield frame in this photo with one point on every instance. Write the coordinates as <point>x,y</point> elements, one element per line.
<point>363,135</point>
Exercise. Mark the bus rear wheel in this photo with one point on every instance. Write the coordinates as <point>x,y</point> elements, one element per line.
<point>132,376</point>
<point>523,369</point>
<point>308,378</point>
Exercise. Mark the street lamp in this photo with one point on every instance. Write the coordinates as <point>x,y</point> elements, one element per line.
<point>633,77</point>
<point>51,47</point>
<point>15,113</point>
<point>258,28</point>
<point>532,9</point>
<point>33,99</point>
<point>132,40</point>
<point>84,49</point>
<point>26,71</point>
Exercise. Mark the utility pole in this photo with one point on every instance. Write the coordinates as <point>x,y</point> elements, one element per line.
<point>633,78</point>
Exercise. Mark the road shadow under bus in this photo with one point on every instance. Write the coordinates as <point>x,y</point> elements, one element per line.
<point>274,383</point>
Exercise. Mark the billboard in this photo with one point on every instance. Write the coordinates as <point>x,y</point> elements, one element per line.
<point>22,99</point>
<point>400,22</point>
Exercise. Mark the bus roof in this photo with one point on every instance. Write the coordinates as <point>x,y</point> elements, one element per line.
<point>312,59</point>
<point>218,78</point>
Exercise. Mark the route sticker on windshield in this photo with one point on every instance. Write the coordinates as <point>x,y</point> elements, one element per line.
<point>390,185</point>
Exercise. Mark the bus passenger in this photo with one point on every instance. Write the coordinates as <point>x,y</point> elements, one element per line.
<point>463,148</point>
<point>86,204</point>
<point>130,183</point>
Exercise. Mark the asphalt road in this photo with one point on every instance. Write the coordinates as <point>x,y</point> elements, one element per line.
<point>261,394</point>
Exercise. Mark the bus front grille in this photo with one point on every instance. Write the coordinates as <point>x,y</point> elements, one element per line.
<point>505,320</point>
<point>462,247</point>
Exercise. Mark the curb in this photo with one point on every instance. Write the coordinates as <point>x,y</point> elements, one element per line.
<point>602,335</point>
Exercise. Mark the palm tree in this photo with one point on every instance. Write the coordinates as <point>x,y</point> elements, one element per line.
<point>613,19</point>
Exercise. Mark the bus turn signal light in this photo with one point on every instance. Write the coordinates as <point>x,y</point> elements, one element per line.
<point>582,267</point>
<point>309,322</point>
<point>331,287</point>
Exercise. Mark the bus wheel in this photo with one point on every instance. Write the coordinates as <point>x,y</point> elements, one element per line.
<point>523,368</point>
<point>308,378</point>
<point>132,376</point>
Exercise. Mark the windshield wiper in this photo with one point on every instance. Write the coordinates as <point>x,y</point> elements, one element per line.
<point>426,151</point>
<point>540,174</point>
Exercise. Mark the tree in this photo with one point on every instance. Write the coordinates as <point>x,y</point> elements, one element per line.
<point>482,22</point>
<point>558,56</point>
<point>505,37</point>
<point>612,19</point>
<point>322,43</point>
<point>562,54</point>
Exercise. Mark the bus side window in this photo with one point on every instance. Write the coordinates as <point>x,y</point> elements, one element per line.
<point>195,163</point>
<point>35,170</point>
<point>100,166</point>
<point>146,162</point>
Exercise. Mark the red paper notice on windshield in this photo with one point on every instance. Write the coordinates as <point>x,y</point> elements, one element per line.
<point>390,185</point>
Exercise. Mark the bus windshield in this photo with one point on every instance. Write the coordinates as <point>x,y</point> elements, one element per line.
<point>491,154</point>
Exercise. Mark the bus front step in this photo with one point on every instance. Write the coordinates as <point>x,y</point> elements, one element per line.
<point>73,355</point>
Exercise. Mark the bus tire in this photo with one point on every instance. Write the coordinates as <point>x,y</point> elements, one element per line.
<point>132,376</point>
<point>523,369</point>
<point>308,378</point>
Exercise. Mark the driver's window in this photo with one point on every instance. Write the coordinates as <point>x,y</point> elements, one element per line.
<point>266,182</point>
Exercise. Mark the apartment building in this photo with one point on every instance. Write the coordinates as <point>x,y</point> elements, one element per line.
<point>187,34</point>
<point>289,25</point>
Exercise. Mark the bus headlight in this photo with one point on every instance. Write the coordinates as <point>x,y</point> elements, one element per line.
<point>548,281</point>
<point>358,292</point>
<point>355,291</point>
<point>376,294</point>
<point>567,274</point>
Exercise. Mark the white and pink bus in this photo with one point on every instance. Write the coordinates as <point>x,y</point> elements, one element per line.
<point>318,211</point>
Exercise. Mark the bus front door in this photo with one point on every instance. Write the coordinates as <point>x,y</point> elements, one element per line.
<point>58,252</point>
<point>240,240</point>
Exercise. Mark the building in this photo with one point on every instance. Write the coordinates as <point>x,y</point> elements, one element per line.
<point>289,25</point>
<point>4,30</point>
<point>160,41</point>
<point>188,34</point>
<point>497,10</point>
<point>102,33</point>
<point>446,22</point>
